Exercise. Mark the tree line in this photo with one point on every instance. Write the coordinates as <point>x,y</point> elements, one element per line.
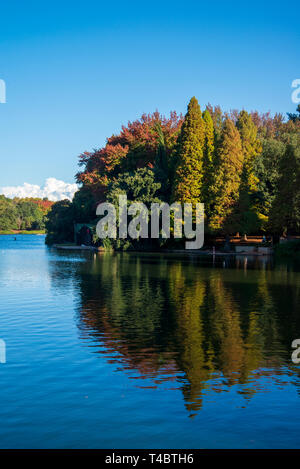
<point>244,167</point>
<point>23,214</point>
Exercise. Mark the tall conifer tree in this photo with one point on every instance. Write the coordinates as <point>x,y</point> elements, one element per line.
<point>228,176</point>
<point>251,148</point>
<point>208,161</point>
<point>285,211</point>
<point>189,172</point>
<point>247,212</point>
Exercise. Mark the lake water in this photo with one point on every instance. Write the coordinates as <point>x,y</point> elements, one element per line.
<point>120,350</point>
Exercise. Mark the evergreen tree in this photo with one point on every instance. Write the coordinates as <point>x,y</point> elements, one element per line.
<point>285,211</point>
<point>228,177</point>
<point>208,161</point>
<point>267,172</point>
<point>251,148</point>
<point>246,217</point>
<point>217,118</point>
<point>161,169</point>
<point>189,172</point>
<point>294,117</point>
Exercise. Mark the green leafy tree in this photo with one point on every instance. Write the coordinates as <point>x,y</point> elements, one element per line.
<point>60,223</point>
<point>84,206</point>
<point>138,186</point>
<point>8,214</point>
<point>21,214</point>
<point>30,215</point>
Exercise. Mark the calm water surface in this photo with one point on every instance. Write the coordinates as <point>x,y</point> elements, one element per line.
<point>146,350</point>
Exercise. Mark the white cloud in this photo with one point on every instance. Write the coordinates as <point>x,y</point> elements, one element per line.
<point>53,189</point>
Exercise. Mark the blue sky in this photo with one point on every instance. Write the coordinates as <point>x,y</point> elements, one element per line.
<point>76,71</point>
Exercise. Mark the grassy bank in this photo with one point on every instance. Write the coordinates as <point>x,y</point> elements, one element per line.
<point>15,232</point>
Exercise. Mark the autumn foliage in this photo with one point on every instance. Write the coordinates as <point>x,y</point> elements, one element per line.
<point>135,147</point>
<point>230,161</point>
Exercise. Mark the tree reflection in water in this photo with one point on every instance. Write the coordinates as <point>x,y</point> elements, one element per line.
<point>188,323</point>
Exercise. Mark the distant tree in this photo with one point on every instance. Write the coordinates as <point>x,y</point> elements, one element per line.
<point>44,204</point>
<point>30,215</point>
<point>217,118</point>
<point>8,214</point>
<point>23,214</point>
<point>295,117</point>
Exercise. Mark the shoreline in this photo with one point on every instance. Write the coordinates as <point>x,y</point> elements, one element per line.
<point>22,232</point>
<point>193,252</point>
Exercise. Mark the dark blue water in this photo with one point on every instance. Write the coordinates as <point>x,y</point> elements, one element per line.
<point>146,350</point>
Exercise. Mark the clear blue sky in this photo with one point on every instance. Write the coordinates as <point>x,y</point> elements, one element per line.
<point>76,71</point>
